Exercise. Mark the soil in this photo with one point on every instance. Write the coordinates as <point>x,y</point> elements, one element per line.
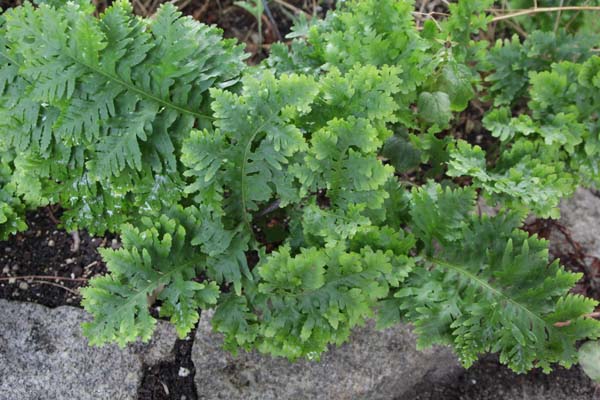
<point>487,379</point>
<point>172,380</point>
<point>30,260</point>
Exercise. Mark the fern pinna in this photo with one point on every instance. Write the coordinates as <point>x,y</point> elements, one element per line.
<point>156,129</point>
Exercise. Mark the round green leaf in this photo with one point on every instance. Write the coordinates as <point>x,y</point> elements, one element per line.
<point>589,359</point>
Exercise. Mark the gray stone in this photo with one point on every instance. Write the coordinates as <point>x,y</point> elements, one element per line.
<point>580,215</point>
<point>43,355</point>
<point>372,365</point>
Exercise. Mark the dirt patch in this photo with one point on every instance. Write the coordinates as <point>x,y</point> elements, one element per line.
<point>42,265</point>
<point>173,380</point>
<point>488,380</point>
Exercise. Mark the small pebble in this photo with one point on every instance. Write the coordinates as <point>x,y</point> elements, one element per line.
<point>183,372</point>
<point>70,261</point>
<point>5,270</point>
<point>12,280</point>
<point>23,285</point>
<point>15,267</point>
<point>7,249</point>
<point>115,244</point>
<point>51,243</point>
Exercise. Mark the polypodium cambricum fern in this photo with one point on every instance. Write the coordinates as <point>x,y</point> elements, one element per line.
<point>301,153</point>
<point>97,108</point>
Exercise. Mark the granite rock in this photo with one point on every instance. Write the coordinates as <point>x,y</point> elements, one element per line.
<point>372,365</point>
<point>580,215</point>
<point>43,355</point>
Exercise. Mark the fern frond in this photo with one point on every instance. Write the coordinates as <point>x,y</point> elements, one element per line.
<point>156,261</point>
<point>308,300</point>
<point>128,79</point>
<point>12,209</point>
<point>106,101</point>
<point>528,177</point>
<point>256,137</point>
<point>489,287</point>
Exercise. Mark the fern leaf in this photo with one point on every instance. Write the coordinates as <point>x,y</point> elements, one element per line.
<point>156,261</point>
<point>258,126</point>
<point>312,299</point>
<point>491,288</point>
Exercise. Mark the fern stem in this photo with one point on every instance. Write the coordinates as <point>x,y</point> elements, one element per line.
<point>147,290</point>
<point>9,58</point>
<point>141,92</point>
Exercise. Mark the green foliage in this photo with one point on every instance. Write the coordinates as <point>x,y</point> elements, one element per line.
<point>155,261</point>
<point>509,62</point>
<point>277,194</point>
<point>487,286</point>
<point>564,122</point>
<point>313,298</point>
<point>526,177</point>
<point>97,108</point>
<point>11,207</point>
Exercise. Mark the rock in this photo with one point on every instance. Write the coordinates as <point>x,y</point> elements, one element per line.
<point>372,365</point>
<point>51,243</point>
<point>43,355</point>
<point>580,215</point>
<point>23,285</point>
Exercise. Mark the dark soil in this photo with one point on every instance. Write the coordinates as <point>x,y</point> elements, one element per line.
<point>30,260</point>
<point>172,380</point>
<point>488,380</point>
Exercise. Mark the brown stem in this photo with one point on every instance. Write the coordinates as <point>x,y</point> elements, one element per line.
<point>567,323</point>
<point>46,277</point>
<point>76,241</point>
<point>531,11</point>
<point>58,286</point>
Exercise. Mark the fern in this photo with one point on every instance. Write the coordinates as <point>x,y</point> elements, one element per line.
<point>314,298</point>
<point>505,299</point>
<point>111,98</point>
<point>564,105</point>
<point>11,207</point>
<point>154,261</point>
<point>156,129</point>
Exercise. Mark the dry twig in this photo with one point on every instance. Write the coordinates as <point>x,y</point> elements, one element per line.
<point>537,10</point>
<point>42,277</point>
